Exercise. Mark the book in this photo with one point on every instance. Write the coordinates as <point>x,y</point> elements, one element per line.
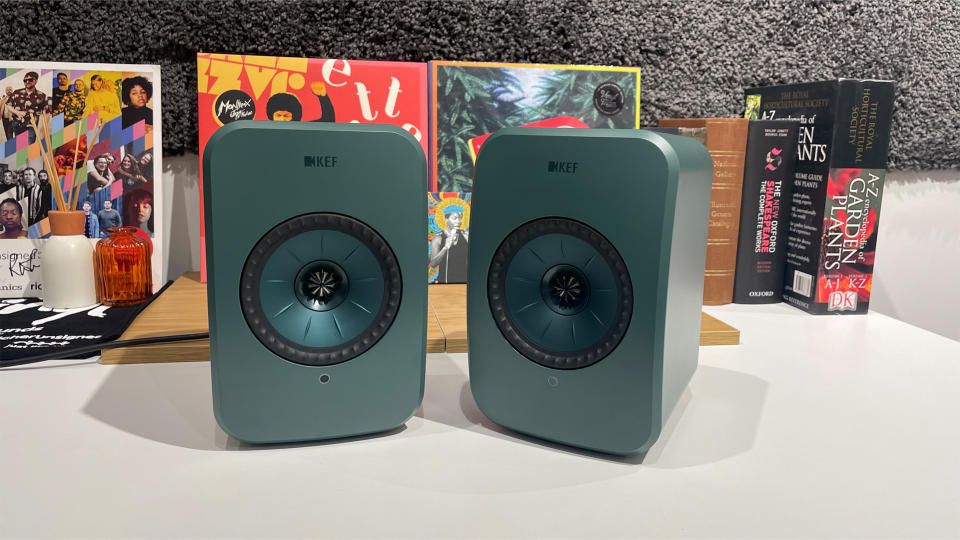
<point>698,134</point>
<point>844,131</point>
<point>471,100</point>
<point>767,187</point>
<point>727,141</point>
<point>233,87</point>
<point>115,179</point>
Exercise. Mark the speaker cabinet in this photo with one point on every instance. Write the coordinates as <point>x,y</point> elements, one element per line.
<point>585,281</point>
<point>316,293</point>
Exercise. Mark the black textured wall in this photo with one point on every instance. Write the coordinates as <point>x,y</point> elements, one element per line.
<point>696,56</point>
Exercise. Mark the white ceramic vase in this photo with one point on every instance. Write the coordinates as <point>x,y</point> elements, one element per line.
<point>67,263</point>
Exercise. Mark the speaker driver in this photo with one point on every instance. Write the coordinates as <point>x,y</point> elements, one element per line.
<point>560,293</point>
<point>320,289</point>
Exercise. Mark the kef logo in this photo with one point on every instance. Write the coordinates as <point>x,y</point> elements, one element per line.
<point>569,167</point>
<point>320,161</point>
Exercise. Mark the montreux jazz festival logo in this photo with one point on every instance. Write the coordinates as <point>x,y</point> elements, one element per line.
<point>234,105</point>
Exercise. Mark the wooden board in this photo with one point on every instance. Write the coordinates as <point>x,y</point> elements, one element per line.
<point>713,331</point>
<point>450,303</point>
<point>436,341</point>
<point>182,309</point>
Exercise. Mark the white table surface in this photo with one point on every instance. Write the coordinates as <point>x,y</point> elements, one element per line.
<point>812,427</point>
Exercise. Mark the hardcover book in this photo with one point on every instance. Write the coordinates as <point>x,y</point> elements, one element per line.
<point>764,210</point>
<point>234,87</point>
<point>727,141</point>
<point>471,100</point>
<point>104,134</point>
<point>698,134</point>
<point>844,130</point>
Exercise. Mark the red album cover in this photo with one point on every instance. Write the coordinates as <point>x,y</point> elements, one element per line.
<point>234,87</point>
<point>556,122</point>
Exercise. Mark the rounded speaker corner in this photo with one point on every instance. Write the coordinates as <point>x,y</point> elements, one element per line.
<point>403,134</point>
<point>233,431</point>
<point>227,131</point>
<point>629,451</point>
<point>680,149</point>
<point>661,145</point>
<point>483,405</point>
<point>642,442</point>
<point>494,141</point>
<point>408,413</point>
<point>413,146</point>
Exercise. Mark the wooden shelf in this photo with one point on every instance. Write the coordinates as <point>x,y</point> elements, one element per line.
<point>450,304</point>
<point>449,301</point>
<point>182,309</point>
<point>713,331</point>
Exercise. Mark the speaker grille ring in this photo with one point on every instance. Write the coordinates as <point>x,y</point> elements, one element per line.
<point>560,293</point>
<point>320,289</point>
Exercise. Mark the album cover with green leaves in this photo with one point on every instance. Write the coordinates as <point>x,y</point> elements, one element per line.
<point>471,100</point>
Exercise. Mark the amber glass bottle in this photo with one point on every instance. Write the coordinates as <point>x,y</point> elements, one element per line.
<point>122,262</point>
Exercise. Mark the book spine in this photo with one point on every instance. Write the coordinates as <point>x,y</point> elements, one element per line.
<point>764,211</point>
<point>432,126</point>
<point>726,141</point>
<point>812,165</point>
<point>853,195</point>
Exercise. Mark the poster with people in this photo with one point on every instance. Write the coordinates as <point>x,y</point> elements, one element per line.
<point>235,87</point>
<point>100,124</point>
<point>448,236</point>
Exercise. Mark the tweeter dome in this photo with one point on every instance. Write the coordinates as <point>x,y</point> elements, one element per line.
<point>585,281</point>
<point>316,294</point>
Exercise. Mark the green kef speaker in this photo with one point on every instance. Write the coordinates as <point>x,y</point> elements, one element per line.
<point>316,293</point>
<point>585,282</point>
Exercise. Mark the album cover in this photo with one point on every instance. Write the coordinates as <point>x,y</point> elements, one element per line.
<point>117,174</point>
<point>471,100</point>
<point>448,236</point>
<point>235,87</point>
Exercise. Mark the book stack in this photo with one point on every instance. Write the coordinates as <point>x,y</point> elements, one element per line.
<point>796,197</point>
<point>844,130</point>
